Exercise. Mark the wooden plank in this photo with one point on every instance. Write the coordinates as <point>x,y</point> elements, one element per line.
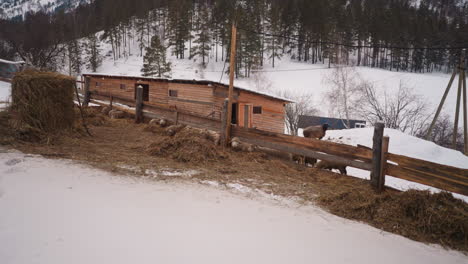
<point>304,151</point>
<point>426,179</point>
<point>312,144</point>
<point>430,167</point>
<point>87,93</point>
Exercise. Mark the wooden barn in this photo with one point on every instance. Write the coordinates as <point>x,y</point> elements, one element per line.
<point>201,98</point>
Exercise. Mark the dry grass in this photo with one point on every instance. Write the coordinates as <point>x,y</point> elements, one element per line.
<point>419,215</point>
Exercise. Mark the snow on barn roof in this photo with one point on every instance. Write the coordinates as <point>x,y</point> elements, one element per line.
<point>194,81</point>
<point>11,62</point>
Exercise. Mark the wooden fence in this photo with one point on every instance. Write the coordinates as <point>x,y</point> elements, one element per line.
<point>377,159</point>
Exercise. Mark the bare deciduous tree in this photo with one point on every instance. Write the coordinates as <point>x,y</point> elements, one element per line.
<point>302,106</point>
<point>402,110</point>
<point>442,133</point>
<point>344,89</point>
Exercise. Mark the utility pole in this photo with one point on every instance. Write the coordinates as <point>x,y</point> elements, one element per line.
<point>232,65</point>
<point>461,92</point>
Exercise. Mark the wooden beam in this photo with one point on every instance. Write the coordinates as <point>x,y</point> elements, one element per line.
<point>383,163</point>
<point>139,105</point>
<point>224,117</point>
<point>87,93</point>
<point>232,65</point>
<point>304,151</point>
<point>457,109</point>
<point>439,109</point>
<point>426,179</point>
<point>377,155</point>
<point>331,148</point>
<point>465,113</point>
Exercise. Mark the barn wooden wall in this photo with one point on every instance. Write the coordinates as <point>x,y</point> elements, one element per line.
<point>202,99</point>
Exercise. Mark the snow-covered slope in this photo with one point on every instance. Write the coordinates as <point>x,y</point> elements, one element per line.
<point>14,8</point>
<point>56,211</point>
<point>295,77</point>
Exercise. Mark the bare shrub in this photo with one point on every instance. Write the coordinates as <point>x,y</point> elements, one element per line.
<point>402,110</point>
<point>302,106</point>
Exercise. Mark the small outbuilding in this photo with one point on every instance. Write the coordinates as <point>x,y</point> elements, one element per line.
<point>251,109</point>
<point>333,123</point>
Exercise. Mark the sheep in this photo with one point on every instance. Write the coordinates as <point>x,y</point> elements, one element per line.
<point>237,145</point>
<point>315,131</point>
<point>328,165</point>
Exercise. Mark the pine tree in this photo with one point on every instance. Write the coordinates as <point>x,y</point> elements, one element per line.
<point>74,57</point>
<point>93,50</point>
<point>154,61</point>
<point>203,37</point>
<point>273,43</point>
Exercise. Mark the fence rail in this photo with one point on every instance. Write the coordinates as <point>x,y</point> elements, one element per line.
<point>377,160</point>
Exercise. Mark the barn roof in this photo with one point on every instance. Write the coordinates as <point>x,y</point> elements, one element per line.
<point>201,82</point>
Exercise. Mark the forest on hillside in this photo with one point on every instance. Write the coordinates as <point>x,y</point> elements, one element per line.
<point>399,35</point>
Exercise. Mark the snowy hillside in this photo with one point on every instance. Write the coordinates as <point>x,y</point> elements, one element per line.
<point>56,211</point>
<point>14,8</point>
<point>294,77</point>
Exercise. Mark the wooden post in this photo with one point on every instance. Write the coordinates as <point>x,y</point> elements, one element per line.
<point>377,155</point>
<point>87,93</point>
<point>465,113</point>
<point>383,163</point>
<point>177,117</point>
<point>232,65</point>
<point>429,132</point>
<point>111,101</point>
<point>457,110</point>
<point>224,114</point>
<point>139,105</point>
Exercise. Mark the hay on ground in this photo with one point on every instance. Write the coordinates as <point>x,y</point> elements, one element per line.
<point>42,101</point>
<point>189,145</point>
<point>419,215</point>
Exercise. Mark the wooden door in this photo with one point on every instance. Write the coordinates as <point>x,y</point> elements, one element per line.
<point>245,115</point>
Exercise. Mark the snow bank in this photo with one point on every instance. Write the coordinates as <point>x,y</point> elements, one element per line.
<point>5,91</point>
<point>59,212</point>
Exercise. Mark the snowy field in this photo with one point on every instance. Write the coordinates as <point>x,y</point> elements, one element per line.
<point>56,211</point>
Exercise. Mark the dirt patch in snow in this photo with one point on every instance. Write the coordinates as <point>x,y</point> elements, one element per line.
<point>120,145</point>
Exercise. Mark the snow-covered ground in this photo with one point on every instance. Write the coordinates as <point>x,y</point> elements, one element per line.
<point>55,211</point>
<point>5,92</point>
<point>402,144</point>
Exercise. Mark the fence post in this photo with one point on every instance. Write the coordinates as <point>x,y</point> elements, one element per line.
<point>87,93</point>
<point>377,155</point>
<point>177,117</point>
<point>224,124</point>
<point>383,163</point>
<point>139,105</point>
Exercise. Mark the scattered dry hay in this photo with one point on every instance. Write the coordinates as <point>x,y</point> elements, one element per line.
<point>189,145</point>
<point>422,216</point>
<point>42,101</point>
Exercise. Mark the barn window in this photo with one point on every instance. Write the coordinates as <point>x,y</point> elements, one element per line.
<point>257,110</point>
<point>122,86</point>
<point>173,93</point>
<point>98,84</point>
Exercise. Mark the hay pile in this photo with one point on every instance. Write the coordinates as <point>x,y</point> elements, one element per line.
<point>188,145</point>
<point>42,101</point>
<point>419,215</point>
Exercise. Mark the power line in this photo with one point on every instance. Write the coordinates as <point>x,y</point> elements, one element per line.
<point>354,46</point>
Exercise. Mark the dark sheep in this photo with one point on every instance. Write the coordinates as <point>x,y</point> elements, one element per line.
<point>315,131</point>
<point>327,165</point>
